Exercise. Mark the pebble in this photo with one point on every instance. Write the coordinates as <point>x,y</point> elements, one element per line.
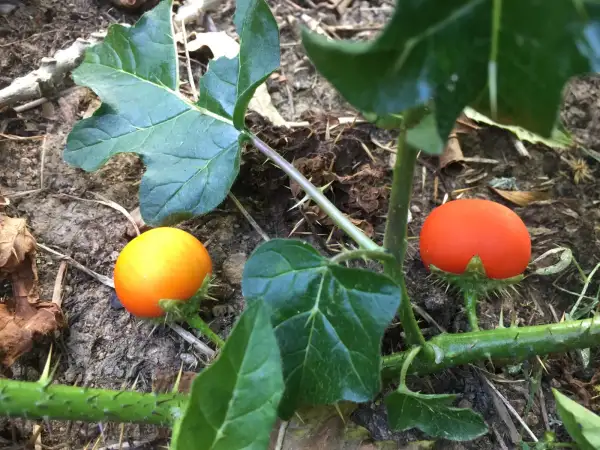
<point>233,267</point>
<point>114,302</point>
<point>188,359</point>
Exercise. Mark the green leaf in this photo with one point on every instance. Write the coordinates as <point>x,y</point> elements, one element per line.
<point>434,415</point>
<point>582,424</point>
<point>192,152</point>
<point>446,51</point>
<point>424,136</point>
<point>233,403</point>
<point>230,83</point>
<point>329,321</point>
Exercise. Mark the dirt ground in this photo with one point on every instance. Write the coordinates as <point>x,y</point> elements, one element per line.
<point>106,347</point>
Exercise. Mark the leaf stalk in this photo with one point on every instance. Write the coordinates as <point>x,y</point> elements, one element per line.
<point>315,194</point>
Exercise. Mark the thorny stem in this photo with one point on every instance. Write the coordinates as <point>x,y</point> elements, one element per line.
<point>395,232</point>
<point>407,362</point>
<point>196,322</point>
<point>315,194</point>
<point>512,344</point>
<point>35,400</point>
<point>471,297</point>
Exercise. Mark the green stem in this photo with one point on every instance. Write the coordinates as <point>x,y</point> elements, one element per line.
<point>493,61</point>
<point>34,400</point>
<point>196,322</point>
<point>378,255</point>
<point>513,344</point>
<point>394,240</point>
<point>471,298</point>
<point>407,362</point>
<point>397,217</point>
<point>315,194</point>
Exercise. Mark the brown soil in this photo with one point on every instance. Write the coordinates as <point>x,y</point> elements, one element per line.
<point>106,347</point>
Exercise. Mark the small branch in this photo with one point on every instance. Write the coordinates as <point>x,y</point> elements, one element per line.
<point>200,325</point>
<point>407,362</point>
<point>316,195</point>
<point>43,81</point>
<point>471,298</point>
<point>513,344</point>
<point>376,255</point>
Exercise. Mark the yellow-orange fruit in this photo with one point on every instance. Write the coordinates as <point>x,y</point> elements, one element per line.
<point>162,263</point>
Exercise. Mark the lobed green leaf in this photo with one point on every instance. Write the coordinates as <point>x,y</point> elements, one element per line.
<point>466,52</point>
<point>329,321</point>
<point>191,151</point>
<point>434,415</point>
<point>582,424</point>
<point>233,403</point>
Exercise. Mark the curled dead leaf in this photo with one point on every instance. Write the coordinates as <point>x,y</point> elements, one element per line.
<point>453,152</point>
<point>16,242</point>
<point>522,198</point>
<point>136,215</point>
<point>23,317</point>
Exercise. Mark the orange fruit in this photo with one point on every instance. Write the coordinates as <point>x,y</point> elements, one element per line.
<point>162,263</point>
<point>461,229</point>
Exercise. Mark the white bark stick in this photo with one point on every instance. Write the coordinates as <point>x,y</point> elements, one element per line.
<point>192,9</point>
<point>43,81</point>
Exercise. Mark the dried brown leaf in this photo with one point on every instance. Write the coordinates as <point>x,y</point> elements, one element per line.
<point>15,243</point>
<point>164,381</point>
<point>452,153</point>
<point>136,215</point>
<point>522,198</point>
<point>23,317</point>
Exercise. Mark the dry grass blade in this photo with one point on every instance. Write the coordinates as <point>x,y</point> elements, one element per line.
<point>193,340</point>
<point>510,408</point>
<point>101,278</point>
<point>249,218</point>
<point>13,137</point>
<point>106,202</point>
<point>58,284</point>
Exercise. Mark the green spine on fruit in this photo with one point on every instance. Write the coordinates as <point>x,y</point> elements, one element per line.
<point>474,279</point>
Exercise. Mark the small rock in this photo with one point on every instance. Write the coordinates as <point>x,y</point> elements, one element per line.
<point>233,267</point>
<point>532,419</point>
<point>188,359</point>
<point>415,209</point>
<point>70,375</point>
<point>464,403</point>
<point>115,303</point>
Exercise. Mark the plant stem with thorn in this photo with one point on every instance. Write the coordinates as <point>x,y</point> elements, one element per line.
<point>396,229</point>
<point>36,400</point>
<point>511,344</point>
